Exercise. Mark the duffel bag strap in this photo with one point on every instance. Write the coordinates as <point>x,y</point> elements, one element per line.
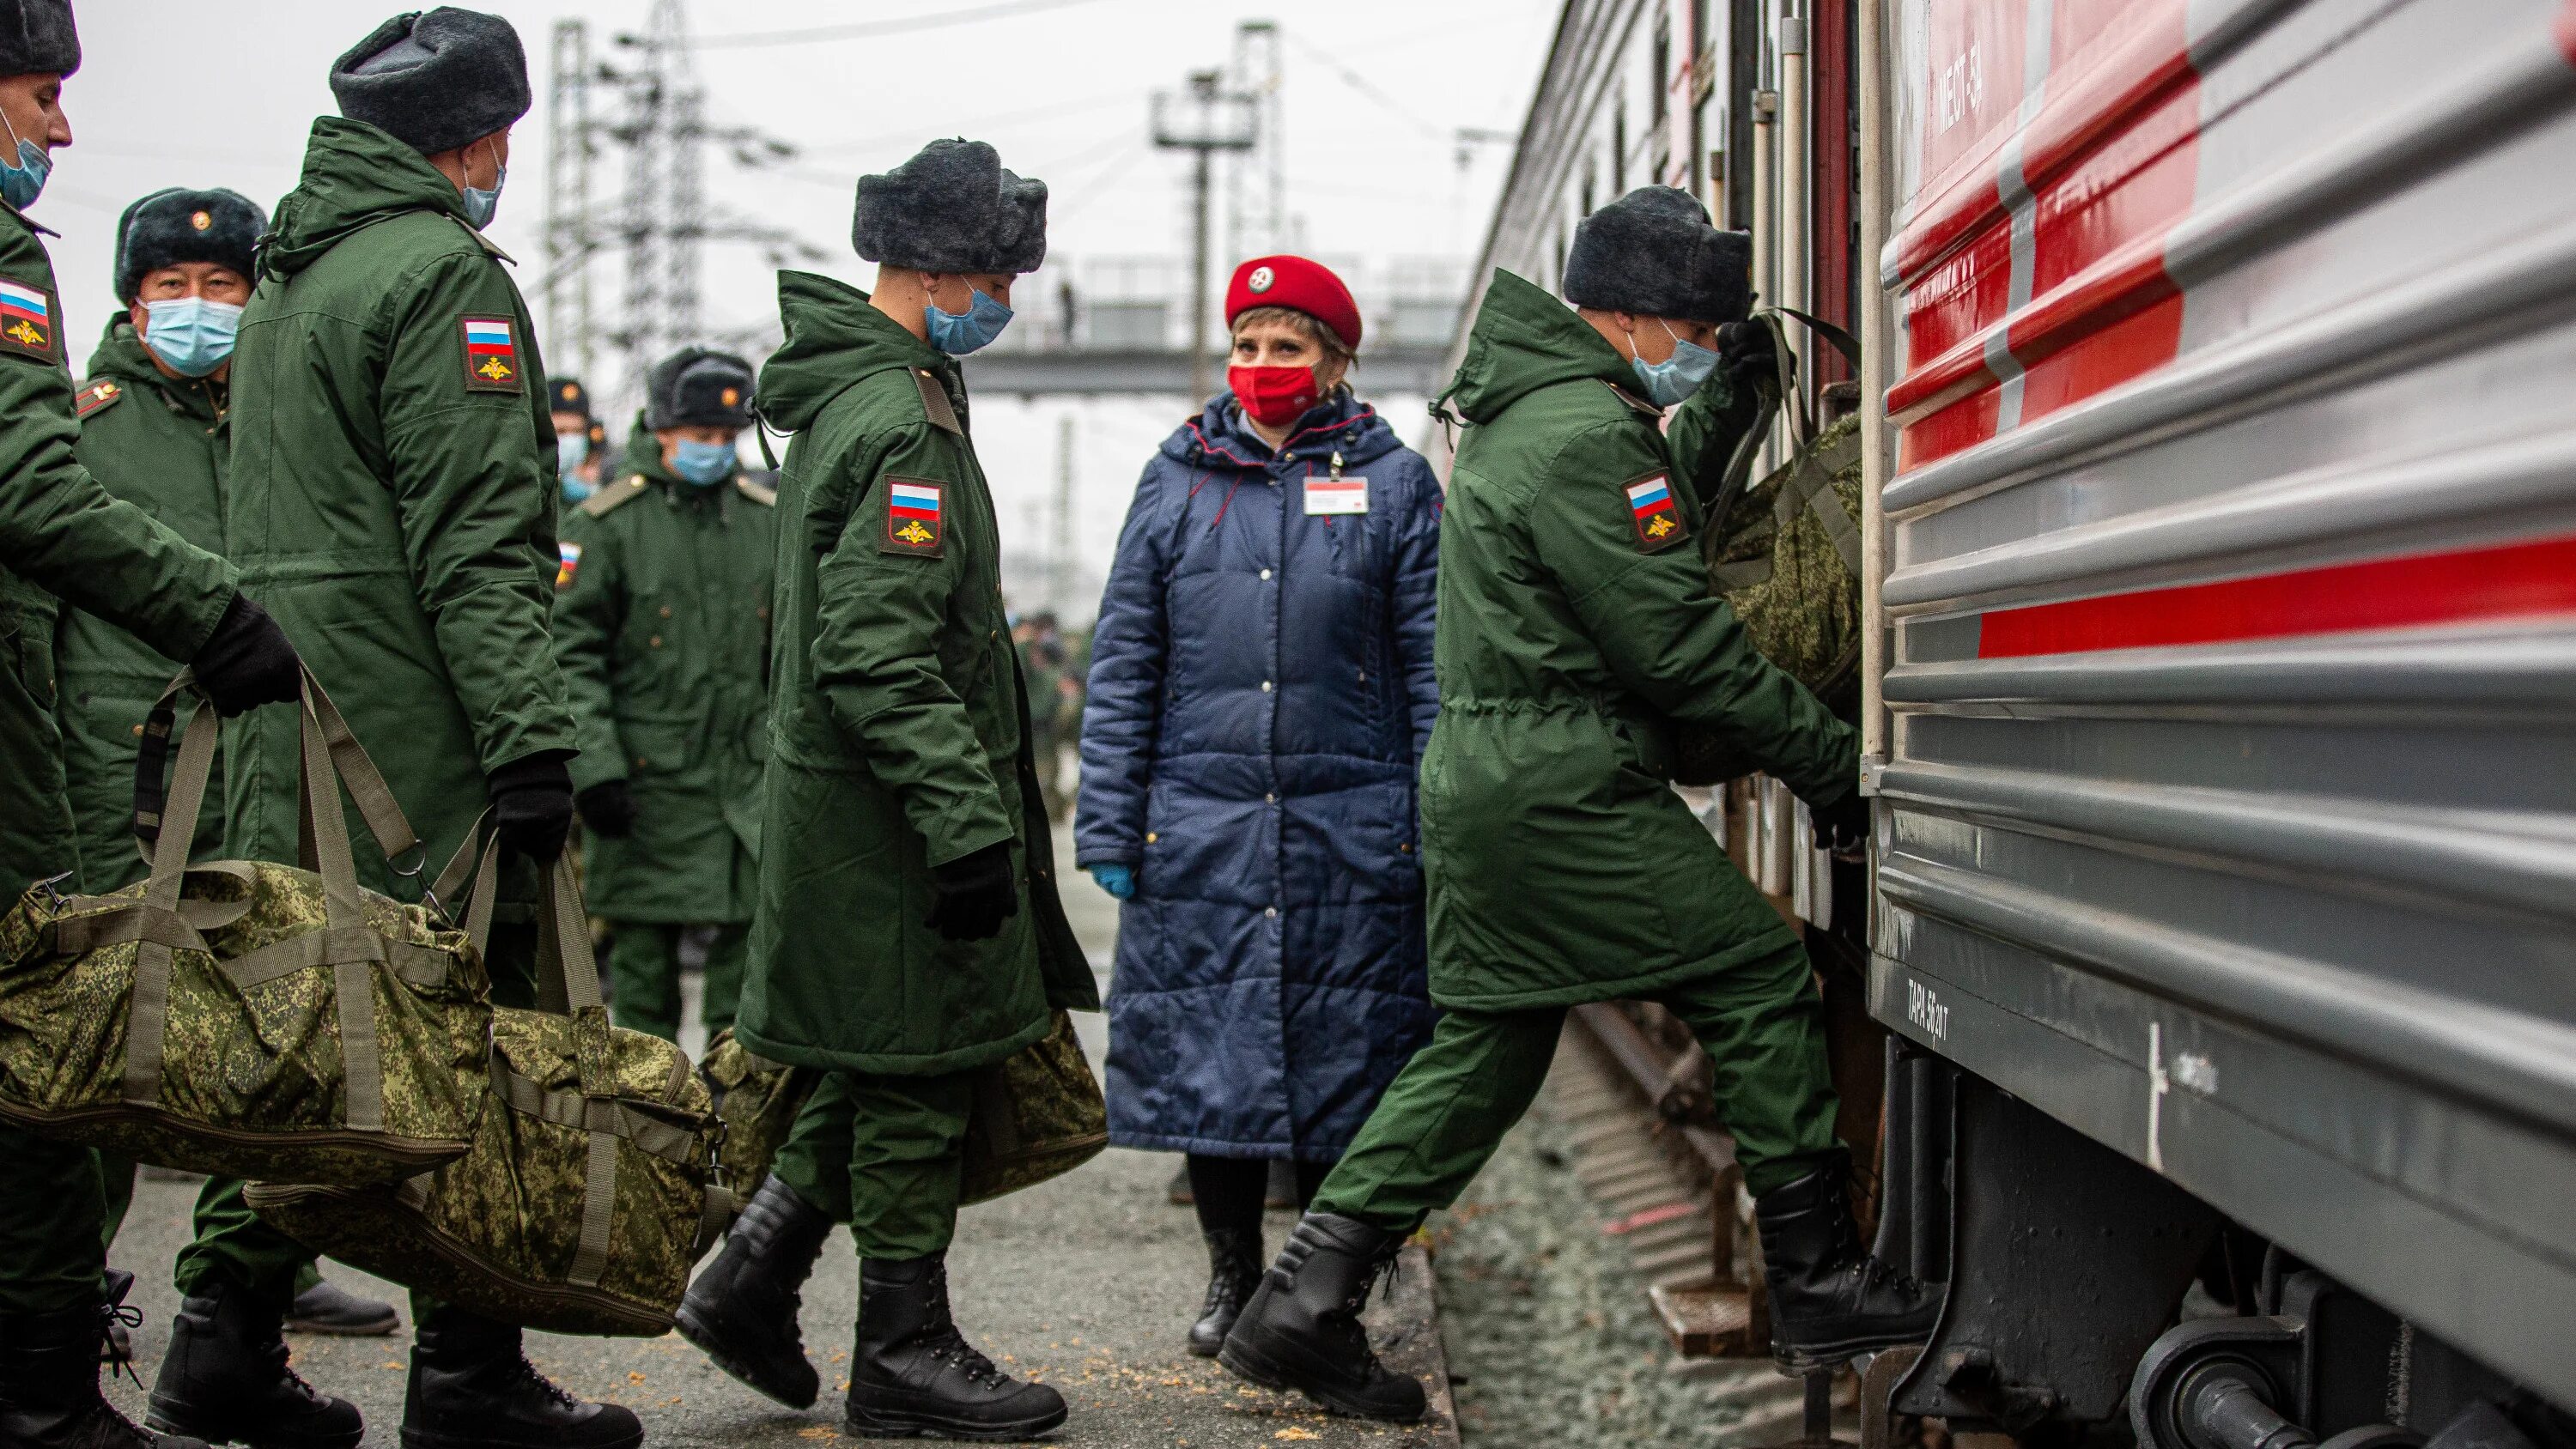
<point>715,1214</point>
<point>159,926</point>
<point>352,948</point>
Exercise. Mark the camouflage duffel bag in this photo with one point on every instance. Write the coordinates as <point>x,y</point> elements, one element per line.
<point>590,1190</point>
<point>1037,1114</point>
<point>244,1018</point>
<point>757,1100</point>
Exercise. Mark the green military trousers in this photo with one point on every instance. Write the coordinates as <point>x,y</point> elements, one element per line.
<point>644,976</point>
<point>1762,1024</point>
<point>883,1154</point>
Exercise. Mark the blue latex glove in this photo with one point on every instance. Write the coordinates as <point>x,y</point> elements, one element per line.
<point>1118,880</point>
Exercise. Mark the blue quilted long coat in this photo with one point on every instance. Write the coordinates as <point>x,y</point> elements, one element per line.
<point>1261,693</point>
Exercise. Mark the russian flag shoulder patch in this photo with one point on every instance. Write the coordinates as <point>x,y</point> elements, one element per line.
<point>916,517</point>
<point>1655,513</point>
<point>492,354</point>
<point>26,320</point>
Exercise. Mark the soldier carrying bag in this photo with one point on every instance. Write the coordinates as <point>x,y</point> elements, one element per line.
<point>1784,553</point>
<point>240,1017</point>
<point>591,1188</point>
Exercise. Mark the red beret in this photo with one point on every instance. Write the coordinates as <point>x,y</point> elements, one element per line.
<point>1294,282</point>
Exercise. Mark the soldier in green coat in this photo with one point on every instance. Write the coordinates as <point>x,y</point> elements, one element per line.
<point>909,929</point>
<point>67,540</point>
<point>393,487</point>
<point>1577,633</point>
<point>662,625</point>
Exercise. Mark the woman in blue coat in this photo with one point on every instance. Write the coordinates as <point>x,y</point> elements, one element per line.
<point>1261,693</point>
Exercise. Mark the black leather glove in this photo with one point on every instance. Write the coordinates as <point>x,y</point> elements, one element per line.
<point>1842,827</point>
<point>247,661</point>
<point>608,808</point>
<point>532,806</point>
<point>976,894</point>
<point>1747,352</point>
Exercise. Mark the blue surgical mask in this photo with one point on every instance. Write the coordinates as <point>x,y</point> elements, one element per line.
<point>704,464</point>
<point>481,204</point>
<point>191,336</point>
<point>571,451</point>
<point>575,489</point>
<point>1675,378</point>
<point>960,333</point>
<point>19,184</point>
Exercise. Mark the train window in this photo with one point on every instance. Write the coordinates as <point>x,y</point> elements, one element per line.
<point>1618,148</point>
<point>1661,90</point>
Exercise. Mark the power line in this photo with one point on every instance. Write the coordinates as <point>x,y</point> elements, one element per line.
<point>868,28</point>
<point>1364,85</point>
<point>1102,101</point>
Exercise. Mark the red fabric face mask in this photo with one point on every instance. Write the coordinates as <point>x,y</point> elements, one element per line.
<point>1273,396</point>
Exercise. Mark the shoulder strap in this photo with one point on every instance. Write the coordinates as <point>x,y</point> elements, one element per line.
<point>97,396</point>
<point>760,493</point>
<point>613,496</point>
<point>934,402</point>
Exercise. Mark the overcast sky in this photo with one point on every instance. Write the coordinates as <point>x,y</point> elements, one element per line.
<point>180,92</point>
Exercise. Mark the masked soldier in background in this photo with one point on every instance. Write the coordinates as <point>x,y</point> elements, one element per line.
<point>67,540</point>
<point>581,452</point>
<point>394,484</point>
<point>909,930</point>
<point>662,624</point>
<point>154,432</point>
<point>1577,632</point>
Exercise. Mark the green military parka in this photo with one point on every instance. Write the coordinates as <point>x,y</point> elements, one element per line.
<point>64,538</point>
<point>898,728</point>
<point>662,625</point>
<point>161,443</point>
<point>1575,631</point>
<point>393,497</point>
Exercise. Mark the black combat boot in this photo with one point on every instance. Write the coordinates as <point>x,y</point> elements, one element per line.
<point>324,1308</point>
<point>1830,1300</point>
<point>471,1388</point>
<point>1234,1270</point>
<point>225,1381</point>
<point>913,1374</point>
<point>49,1396</point>
<point>741,1312</point>
<point>1302,1328</point>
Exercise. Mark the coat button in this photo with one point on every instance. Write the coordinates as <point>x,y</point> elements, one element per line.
<point>763,611</point>
<point>666,611</point>
<point>1265,686</point>
<point>1151,837</point>
<point>642,763</point>
<point>1405,848</point>
<point>1265,573</point>
<point>655,641</point>
<point>138,732</point>
<point>1273,799</point>
<point>1270,911</point>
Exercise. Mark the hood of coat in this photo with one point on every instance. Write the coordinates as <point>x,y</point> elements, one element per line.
<point>834,338</point>
<point>1525,339</point>
<point>1341,423</point>
<point>354,176</point>
<point>122,356</point>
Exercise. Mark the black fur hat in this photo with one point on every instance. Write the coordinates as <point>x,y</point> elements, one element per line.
<point>435,81</point>
<point>1653,252</point>
<point>37,38</point>
<point>698,387</point>
<point>952,208</point>
<point>175,225</point>
<point>567,395</point>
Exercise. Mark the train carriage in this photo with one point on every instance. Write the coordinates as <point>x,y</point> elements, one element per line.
<point>2223,391</point>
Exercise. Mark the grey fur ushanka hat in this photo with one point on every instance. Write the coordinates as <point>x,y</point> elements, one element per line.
<point>952,208</point>
<point>435,81</point>
<point>1654,253</point>
<point>698,387</point>
<point>37,37</point>
<point>175,225</point>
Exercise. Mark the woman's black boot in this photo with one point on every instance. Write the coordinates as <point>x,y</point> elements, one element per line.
<point>473,1388</point>
<point>913,1374</point>
<point>1234,1270</point>
<point>225,1379</point>
<point>741,1312</point>
<point>1302,1328</point>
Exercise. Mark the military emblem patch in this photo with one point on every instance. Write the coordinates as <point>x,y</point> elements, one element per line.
<point>492,355</point>
<point>913,517</point>
<point>100,394</point>
<point>570,565</point>
<point>26,320</point>
<point>1652,509</point>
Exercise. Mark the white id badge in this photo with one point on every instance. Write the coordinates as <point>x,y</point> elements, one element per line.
<point>1328,496</point>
